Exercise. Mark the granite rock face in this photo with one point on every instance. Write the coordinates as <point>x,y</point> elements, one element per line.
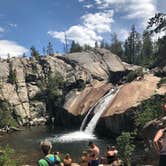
<point>93,68</point>
<point>98,63</point>
<point>119,114</point>
<point>90,67</point>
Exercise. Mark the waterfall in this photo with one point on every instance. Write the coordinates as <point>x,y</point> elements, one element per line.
<point>86,117</point>
<point>98,109</point>
<point>87,134</point>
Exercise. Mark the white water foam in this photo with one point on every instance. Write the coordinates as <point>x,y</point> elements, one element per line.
<point>73,136</point>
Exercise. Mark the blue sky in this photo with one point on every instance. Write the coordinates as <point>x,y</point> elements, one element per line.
<point>24,23</point>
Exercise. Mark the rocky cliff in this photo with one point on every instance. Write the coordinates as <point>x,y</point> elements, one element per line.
<point>97,69</point>
<point>91,67</point>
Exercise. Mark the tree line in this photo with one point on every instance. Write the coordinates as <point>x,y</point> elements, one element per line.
<point>138,49</point>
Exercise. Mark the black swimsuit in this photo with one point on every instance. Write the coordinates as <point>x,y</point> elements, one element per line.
<point>110,159</point>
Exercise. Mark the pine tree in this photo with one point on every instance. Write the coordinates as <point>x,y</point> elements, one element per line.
<point>75,47</point>
<point>87,47</point>
<point>133,46</point>
<point>50,50</point>
<point>116,46</point>
<point>147,49</point>
<point>126,51</point>
<point>161,57</point>
<point>96,44</point>
<point>102,44</point>
<point>66,43</point>
<point>44,51</point>
<point>34,53</point>
<point>157,25</point>
<point>138,49</point>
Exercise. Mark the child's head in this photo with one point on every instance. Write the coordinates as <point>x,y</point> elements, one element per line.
<point>46,146</point>
<point>67,156</point>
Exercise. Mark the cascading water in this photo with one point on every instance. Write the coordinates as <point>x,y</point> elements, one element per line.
<point>86,117</point>
<point>98,110</point>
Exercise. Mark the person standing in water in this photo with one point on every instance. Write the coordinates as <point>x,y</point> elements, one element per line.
<point>94,155</point>
<point>111,154</point>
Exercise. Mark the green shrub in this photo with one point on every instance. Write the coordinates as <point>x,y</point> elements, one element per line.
<point>52,91</point>
<point>125,146</point>
<point>12,77</point>
<point>6,158</point>
<point>149,110</point>
<point>132,75</point>
<point>6,115</point>
<point>162,81</point>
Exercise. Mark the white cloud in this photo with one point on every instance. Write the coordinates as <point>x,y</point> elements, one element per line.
<point>107,3</point>
<point>143,9</point>
<point>100,22</point>
<point>2,30</point>
<point>13,25</point>
<point>78,33</point>
<point>89,31</point>
<point>58,35</point>
<point>12,48</point>
<point>131,9</point>
<point>89,6</point>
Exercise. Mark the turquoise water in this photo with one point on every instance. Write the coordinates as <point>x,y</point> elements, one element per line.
<point>27,143</point>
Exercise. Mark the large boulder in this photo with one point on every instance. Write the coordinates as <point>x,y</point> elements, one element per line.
<point>131,94</point>
<point>79,102</point>
<point>98,63</point>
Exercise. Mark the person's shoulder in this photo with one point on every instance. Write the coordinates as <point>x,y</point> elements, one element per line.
<point>42,162</point>
<point>51,158</point>
<point>50,155</point>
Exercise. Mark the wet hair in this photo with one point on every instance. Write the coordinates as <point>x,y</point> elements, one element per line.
<point>112,147</point>
<point>46,146</point>
<point>67,155</point>
<point>90,143</point>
